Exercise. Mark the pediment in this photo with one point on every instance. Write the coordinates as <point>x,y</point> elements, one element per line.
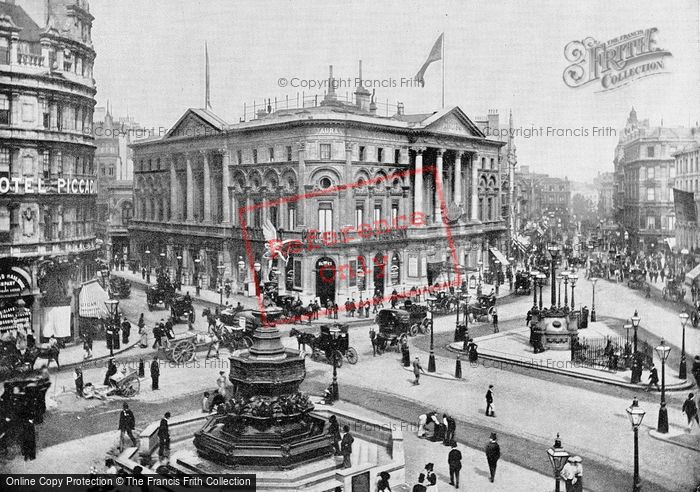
<point>454,122</point>
<point>192,125</point>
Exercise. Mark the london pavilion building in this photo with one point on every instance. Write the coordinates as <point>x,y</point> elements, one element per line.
<point>198,186</point>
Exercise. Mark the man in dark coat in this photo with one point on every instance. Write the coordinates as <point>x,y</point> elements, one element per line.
<point>451,427</point>
<point>653,379</point>
<point>28,440</point>
<point>155,373</point>
<point>493,453</point>
<point>127,424</point>
<point>334,431</point>
<point>111,371</point>
<point>157,335</point>
<point>126,330</point>
<point>489,402</point>
<point>696,369</point>
<point>454,463</point>
<point>164,437</point>
<point>346,446</point>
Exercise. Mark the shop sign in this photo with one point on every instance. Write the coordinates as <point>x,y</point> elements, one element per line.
<point>13,282</point>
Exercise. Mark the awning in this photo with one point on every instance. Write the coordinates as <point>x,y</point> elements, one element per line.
<point>692,275</point>
<point>499,256</point>
<point>671,241</point>
<point>92,300</point>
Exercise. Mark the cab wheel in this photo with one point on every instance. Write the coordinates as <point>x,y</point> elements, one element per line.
<point>413,330</point>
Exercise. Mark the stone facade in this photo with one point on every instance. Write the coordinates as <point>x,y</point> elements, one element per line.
<point>687,165</point>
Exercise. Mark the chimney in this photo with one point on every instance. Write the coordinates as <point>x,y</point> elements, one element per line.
<point>493,120</point>
<point>373,105</point>
<point>399,108</point>
<point>361,93</point>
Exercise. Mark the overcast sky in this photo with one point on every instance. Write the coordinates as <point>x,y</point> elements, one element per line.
<point>498,55</point>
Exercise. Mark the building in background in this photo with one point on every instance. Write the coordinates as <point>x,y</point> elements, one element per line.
<point>114,165</point>
<point>644,177</point>
<point>47,180</point>
<point>190,186</point>
<point>687,195</point>
<point>604,184</point>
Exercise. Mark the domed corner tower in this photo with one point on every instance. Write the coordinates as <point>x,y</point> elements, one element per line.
<point>267,422</point>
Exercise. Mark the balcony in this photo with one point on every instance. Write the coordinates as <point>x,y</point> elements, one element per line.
<point>222,231</point>
<point>30,59</point>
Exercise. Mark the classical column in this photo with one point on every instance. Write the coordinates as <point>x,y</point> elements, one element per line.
<point>206,189</point>
<point>189,184</point>
<point>225,183</point>
<point>475,187</point>
<point>174,209</point>
<point>418,188</point>
<point>458,178</point>
<point>301,181</point>
<point>438,176</point>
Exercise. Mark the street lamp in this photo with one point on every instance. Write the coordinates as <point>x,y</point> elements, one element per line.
<point>196,275</point>
<point>241,273</point>
<point>636,415</point>
<point>221,268</point>
<point>431,359</point>
<point>179,271</point>
<point>573,278</point>
<point>566,288</point>
<point>481,264</point>
<point>148,271</point>
<point>663,352</point>
<point>682,371</point>
<point>560,277</point>
<point>257,267</point>
<point>533,277</point>
<point>112,307</point>
<point>557,458</point>
<point>554,250</point>
<point>593,318</point>
<point>636,365</point>
<point>541,277</point>
<point>335,333</point>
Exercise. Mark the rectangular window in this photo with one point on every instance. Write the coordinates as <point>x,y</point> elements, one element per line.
<point>394,214</point>
<point>59,163</point>
<point>291,216</point>
<point>650,172</point>
<point>352,278</point>
<point>46,164</point>
<point>650,194</point>
<point>651,222</point>
<point>289,153</point>
<point>359,215</point>
<point>325,152</point>
<point>297,274</point>
<point>483,163</point>
<point>257,215</point>
<point>5,163</point>
<point>28,112</point>
<point>239,157</point>
<point>4,110</point>
<point>325,217</point>
<point>255,156</point>
<point>380,154</point>
<point>46,113</point>
<point>4,51</point>
<point>273,216</point>
<point>397,156</point>
<point>377,213</point>
<point>493,163</point>
<point>158,163</point>
<point>361,154</point>
<point>650,151</point>
<point>28,165</point>
<point>59,117</point>
<point>271,152</point>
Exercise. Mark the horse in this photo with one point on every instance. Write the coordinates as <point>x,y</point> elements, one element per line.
<point>303,339</point>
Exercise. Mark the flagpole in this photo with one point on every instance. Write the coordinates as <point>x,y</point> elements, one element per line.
<point>443,70</point>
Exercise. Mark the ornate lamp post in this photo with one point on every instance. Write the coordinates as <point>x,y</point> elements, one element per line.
<point>148,269</point>
<point>682,371</point>
<point>256,278</point>
<point>431,359</point>
<point>557,458</point>
<point>541,277</point>
<point>573,278</point>
<point>241,273</point>
<point>335,332</point>
<point>196,275</point>
<point>636,366</point>
<point>663,352</point>
<point>113,308</point>
<point>179,271</point>
<point>221,268</point>
<point>593,318</point>
<point>533,277</point>
<point>560,277</point>
<point>636,415</point>
<point>566,288</point>
<point>554,250</point>
<point>458,292</point>
<point>481,265</point>
<point>162,262</point>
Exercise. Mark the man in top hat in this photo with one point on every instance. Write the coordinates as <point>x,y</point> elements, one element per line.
<point>696,369</point>
<point>493,454</point>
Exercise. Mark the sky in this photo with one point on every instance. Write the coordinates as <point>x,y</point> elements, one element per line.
<point>505,55</point>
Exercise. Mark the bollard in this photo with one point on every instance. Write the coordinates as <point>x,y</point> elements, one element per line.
<point>458,368</point>
<point>142,372</point>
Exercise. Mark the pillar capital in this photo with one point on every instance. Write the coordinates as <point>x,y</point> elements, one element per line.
<point>419,149</point>
<point>440,152</point>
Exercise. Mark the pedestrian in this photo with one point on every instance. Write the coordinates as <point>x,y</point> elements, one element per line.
<point>87,345</point>
<point>143,334</point>
<point>164,437</point>
<point>568,474</point>
<point>155,373</point>
<point>78,377</point>
<point>696,370</point>
<point>493,454</point>
<point>405,353</point>
<point>221,384</point>
<point>127,424</point>
<point>383,482</point>
<point>422,421</point>
<point>373,340</point>
<point>205,402</point>
<point>690,409</point>
<point>111,371</point>
<point>346,446</point>
<point>489,402</point>
<point>28,440</point>
<point>495,320</point>
<point>430,477</point>
<point>417,369</point>
<point>653,378</point>
<point>157,334</point>
<point>215,343</point>
<point>454,463</point>
<point>334,432</point>
<point>450,429</point>
<point>169,333</point>
<point>578,485</point>
<point>126,330</point>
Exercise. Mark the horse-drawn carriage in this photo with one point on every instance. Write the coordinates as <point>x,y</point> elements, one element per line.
<point>522,283</point>
<point>331,341</point>
<point>14,360</point>
<point>397,324</point>
<point>181,306</point>
<point>674,291</point>
<point>162,293</point>
<point>119,287</point>
<point>445,303</point>
<point>637,278</point>
<point>482,306</point>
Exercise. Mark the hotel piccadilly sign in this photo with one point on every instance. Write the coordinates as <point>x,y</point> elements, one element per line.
<point>65,186</point>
